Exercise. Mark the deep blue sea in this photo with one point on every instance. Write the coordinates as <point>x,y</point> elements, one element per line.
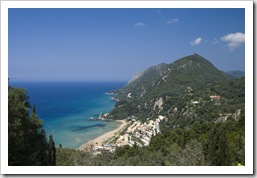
<point>65,108</point>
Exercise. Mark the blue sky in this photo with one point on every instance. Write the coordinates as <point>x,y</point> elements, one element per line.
<point>113,44</point>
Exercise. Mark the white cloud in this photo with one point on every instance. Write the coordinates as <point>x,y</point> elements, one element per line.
<point>174,20</point>
<point>139,24</point>
<point>234,40</point>
<point>197,41</point>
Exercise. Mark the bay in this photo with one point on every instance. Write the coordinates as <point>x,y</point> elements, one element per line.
<point>65,108</point>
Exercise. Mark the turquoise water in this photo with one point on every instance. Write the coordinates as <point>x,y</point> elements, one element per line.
<point>65,108</point>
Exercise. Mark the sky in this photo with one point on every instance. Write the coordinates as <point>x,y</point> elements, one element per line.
<point>114,44</point>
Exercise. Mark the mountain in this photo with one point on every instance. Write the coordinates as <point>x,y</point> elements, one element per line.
<point>190,71</point>
<point>236,73</point>
<point>148,93</point>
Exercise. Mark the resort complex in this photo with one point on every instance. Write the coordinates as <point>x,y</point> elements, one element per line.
<point>133,132</point>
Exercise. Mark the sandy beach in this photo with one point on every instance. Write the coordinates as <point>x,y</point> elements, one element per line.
<point>102,138</point>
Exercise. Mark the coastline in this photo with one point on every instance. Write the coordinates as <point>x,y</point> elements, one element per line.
<point>99,141</point>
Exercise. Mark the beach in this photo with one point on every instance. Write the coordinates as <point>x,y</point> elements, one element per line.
<point>99,141</point>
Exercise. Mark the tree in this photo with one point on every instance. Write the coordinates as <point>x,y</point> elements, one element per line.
<point>17,115</point>
<point>34,109</point>
<point>27,143</point>
<point>52,151</point>
<point>218,148</point>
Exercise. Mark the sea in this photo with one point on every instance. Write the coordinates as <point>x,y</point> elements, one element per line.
<point>67,106</point>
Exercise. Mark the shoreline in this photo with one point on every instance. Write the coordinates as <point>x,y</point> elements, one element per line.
<point>99,141</point>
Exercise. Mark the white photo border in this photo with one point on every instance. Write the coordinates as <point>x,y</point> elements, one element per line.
<point>247,169</point>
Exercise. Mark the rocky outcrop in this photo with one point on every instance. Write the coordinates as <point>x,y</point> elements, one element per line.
<point>159,104</point>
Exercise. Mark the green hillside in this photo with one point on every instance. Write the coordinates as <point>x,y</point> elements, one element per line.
<point>146,95</point>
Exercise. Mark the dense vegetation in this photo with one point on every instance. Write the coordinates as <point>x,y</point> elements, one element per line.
<point>182,112</point>
<point>27,143</point>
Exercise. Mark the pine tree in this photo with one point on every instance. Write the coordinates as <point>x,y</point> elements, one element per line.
<point>34,109</point>
<point>52,151</point>
<point>27,145</point>
<point>218,147</point>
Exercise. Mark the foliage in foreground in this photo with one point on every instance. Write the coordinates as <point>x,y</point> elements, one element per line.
<point>27,143</point>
